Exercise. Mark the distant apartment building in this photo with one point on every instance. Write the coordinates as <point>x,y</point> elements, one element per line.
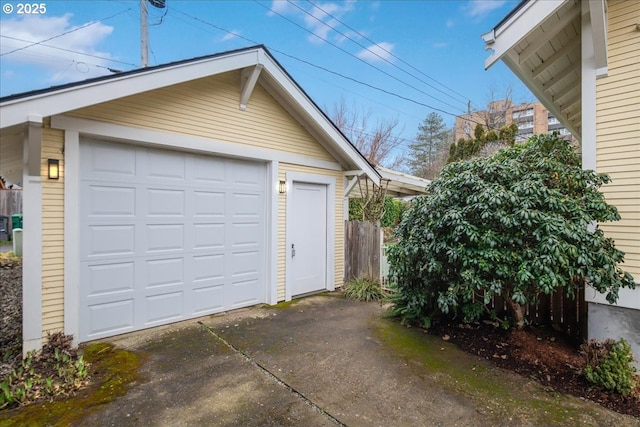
<point>531,118</point>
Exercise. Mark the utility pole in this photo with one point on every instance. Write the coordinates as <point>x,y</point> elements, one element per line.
<point>144,34</point>
<point>144,29</point>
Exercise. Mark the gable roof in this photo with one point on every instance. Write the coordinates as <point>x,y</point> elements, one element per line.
<point>256,64</point>
<point>541,42</point>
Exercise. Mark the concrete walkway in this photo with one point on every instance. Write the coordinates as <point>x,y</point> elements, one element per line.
<point>326,361</point>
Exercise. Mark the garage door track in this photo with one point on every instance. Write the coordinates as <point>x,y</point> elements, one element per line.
<point>324,361</point>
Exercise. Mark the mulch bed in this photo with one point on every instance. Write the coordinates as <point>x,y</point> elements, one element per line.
<point>543,354</point>
<point>10,314</point>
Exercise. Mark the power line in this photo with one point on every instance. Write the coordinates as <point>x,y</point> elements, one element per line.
<point>321,67</point>
<point>463,101</point>
<point>355,57</point>
<point>63,34</point>
<point>67,50</point>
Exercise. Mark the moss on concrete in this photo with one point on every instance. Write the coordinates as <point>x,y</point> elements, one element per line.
<point>495,394</point>
<point>115,369</point>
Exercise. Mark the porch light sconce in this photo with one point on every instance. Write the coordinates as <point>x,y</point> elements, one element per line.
<point>282,187</point>
<point>54,168</point>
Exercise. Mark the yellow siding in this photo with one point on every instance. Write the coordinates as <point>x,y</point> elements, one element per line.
<point>618,129</point>
<point>209,108</point>
<point>52,234</point>
<point>339,224</point>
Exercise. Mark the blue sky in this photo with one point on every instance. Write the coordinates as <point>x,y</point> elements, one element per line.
<point>429,53</point>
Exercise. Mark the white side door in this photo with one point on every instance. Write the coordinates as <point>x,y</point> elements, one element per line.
<point>307,251</point>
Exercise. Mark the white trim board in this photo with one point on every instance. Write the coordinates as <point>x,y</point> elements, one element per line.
<point>184,142</point>
<point>71,235</point>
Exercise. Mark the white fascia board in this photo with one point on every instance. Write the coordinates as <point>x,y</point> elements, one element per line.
<point>403,178</point>
<point>68,99</point>
<point>599,34</point>
<point>307,109</point>
<point>519,26</point>
<point>537,89</point>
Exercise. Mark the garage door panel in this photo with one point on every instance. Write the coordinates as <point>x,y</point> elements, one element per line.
<point>209,236</point>
<point>109,318</point>
<point>182,236</point>
<point>109,240</point>
<point>244,293</point>
<point>165,237</point>
<point>210,171</point>
<point>209,204</point>
<point>209,269</point>
<point>165,203</point>
<point>164,308</point>
<point>106,161</point>
<point>246,205</point>
<point>110,201</point>
<point>246,175</point>
<point>111,278</point>
<point>208,300</point>
<point>242,264</point>
<point>164,272</point>
<point>166,166</point>
<point>244,235</point>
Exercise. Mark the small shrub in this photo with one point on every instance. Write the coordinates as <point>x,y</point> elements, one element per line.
<point>54,371</point>
<point>608,364</point>
<point>364,289</point>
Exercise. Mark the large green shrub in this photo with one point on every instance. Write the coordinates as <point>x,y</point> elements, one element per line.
<point>609,365</point>
<point>517,224</point>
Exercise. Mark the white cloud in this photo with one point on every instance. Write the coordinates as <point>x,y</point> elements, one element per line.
<point>280,6</point>
<point>449,23</point>
<point>231,35</point>
<point>320,23</point>
<point>377,52</point>
<point>440,45</point>
<point>341,38</point>
<point>479,8</point>
<point>66,65</point>
<point>316,19</point>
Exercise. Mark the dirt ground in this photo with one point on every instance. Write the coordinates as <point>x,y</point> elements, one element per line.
<point>543,354</point>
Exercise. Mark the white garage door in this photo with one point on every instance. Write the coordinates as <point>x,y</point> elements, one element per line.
<point>166,236</point>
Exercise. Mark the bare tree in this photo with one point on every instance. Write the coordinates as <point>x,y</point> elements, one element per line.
<point>378,144</point>
<point>495,116</point>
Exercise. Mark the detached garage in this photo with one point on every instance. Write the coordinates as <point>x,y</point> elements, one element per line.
<point>183,190</point>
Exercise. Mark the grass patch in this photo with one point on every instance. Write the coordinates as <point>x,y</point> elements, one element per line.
<point>363,289</point>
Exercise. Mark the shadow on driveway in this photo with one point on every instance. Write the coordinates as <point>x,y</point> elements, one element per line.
<point>325,361</point>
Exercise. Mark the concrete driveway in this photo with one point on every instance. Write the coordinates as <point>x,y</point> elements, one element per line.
<point>325,361</point>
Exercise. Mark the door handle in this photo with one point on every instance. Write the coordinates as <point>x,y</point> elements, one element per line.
<point>293,250</point>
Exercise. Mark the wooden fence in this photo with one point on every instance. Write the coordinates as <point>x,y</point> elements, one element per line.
<point>363,246</point>
<point>557,310</point>
<point>10,203</point>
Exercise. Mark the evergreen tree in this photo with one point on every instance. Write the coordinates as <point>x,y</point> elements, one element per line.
<point>426,152</point>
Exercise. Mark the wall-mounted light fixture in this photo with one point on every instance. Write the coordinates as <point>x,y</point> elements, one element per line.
<point>54,168</point>
<point>282,187</point>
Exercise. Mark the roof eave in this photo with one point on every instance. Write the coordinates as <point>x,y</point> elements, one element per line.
<point>517,27</point>
<point>22,108</point>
